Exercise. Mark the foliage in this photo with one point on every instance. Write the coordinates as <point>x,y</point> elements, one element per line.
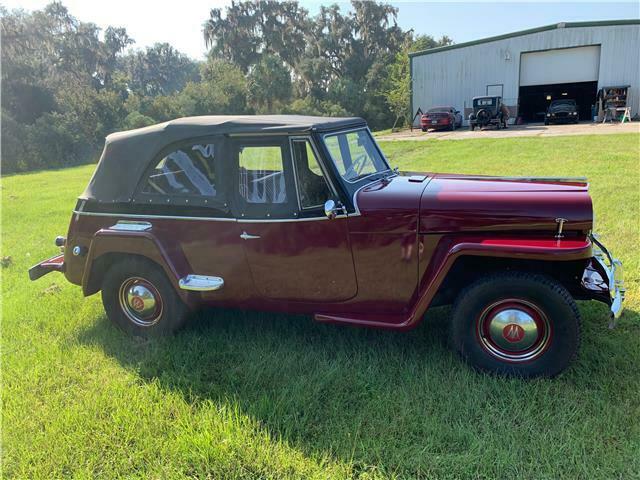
<point>158,70</point>
<point>241,394</point>
<point>67,83</point>
<point>269,84</point>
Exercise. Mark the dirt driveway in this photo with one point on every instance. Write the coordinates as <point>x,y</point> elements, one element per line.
<point>534,130</point>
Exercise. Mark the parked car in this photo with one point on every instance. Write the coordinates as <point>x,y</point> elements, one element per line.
<point>438,118</point>
<point>304,215</point>
<point>488,111</point>
<point>562,111</point>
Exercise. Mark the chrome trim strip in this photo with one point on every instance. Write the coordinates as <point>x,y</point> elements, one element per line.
<point>526,179</point>
<point>201,283</point>
<point>130,226</point>
<point>164,217</point>
<point>355,195</point>
<point>210,219</point>
<point>281,220</point>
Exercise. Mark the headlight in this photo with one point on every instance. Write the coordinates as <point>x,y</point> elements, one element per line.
<point>574,113</point>
<point>548,114</point>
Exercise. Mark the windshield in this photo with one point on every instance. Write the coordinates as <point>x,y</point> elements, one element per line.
<point>438,110</point>
<point>484,102</point>
<point>561,103</point>
<point>355,154</point>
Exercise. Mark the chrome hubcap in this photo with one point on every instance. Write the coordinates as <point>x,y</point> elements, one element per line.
<point>140,301</point>
<point>514,330</point>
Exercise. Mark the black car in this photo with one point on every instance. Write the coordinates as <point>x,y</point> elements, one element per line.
<point>488,111</point>
<point>562,111</point>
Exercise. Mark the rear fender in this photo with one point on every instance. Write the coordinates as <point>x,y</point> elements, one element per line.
<point>107,243</point>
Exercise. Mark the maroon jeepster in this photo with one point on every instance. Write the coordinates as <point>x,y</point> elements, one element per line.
<point>304,215</point>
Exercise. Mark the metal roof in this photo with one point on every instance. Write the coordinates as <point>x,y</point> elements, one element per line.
<point>604,23</point>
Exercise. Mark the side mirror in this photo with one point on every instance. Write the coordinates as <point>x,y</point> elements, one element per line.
<point>332,209</point>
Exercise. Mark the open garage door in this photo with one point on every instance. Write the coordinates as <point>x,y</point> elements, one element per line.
<point>570,73</point>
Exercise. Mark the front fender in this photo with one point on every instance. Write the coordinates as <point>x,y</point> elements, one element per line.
<point>449,250</point>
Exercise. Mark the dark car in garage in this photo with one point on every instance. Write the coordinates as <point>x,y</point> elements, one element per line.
<point>441,118</point>
<point>562,111</point>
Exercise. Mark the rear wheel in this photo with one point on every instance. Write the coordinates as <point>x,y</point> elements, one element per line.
<point>139,299</point>
<point>516,324</point>
<point>424,129</point>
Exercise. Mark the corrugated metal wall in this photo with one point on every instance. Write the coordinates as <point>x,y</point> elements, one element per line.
<point>454,77</point>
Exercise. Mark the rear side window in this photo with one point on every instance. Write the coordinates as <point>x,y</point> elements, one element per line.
<point>261,178</point>
<point>186,171</point>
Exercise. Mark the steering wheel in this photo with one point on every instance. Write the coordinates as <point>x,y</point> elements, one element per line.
<point>356,166</point>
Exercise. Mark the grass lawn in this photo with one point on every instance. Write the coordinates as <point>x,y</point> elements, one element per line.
<point>253,395</point>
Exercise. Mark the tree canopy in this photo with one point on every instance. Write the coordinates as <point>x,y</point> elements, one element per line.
<point>67,83</point>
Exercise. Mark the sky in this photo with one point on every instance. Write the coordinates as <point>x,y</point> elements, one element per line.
<point>180,23</point>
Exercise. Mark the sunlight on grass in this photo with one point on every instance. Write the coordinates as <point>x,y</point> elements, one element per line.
<point>255,395</point>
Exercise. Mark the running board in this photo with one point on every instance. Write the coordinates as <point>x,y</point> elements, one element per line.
<point>201,283</point>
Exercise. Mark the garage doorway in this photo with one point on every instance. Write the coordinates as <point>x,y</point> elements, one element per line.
<point>535,99</point>
<point>564,73</point>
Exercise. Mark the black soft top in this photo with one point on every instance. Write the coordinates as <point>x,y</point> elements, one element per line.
<point>127,155</point>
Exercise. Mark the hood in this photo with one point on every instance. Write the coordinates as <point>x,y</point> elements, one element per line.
<point>464,203</point>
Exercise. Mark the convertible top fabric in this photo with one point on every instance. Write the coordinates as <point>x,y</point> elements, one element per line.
<point>127,155</point>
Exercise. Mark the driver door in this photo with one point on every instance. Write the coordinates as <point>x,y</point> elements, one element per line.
<point>294,252</point>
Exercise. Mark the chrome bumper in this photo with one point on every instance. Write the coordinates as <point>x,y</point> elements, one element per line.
<point>615,277</point>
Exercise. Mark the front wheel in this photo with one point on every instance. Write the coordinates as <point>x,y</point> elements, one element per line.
<point>138,297</point>
<point>517,324</point>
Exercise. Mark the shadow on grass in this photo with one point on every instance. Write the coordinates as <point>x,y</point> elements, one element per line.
<point>359,395</point>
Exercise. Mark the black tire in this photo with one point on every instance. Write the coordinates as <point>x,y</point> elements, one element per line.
<point>140,278</point>
<point>546,122</point>
<point>452,126</point>
<point>472,127</point>
<point>544,307</point>
<point>425,130</point>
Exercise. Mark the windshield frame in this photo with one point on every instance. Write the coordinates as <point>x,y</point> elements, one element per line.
<point>375,145</point>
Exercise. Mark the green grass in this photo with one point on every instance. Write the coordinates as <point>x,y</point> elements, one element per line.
<point>254,395</point>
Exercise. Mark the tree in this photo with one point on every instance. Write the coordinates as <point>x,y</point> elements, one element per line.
<point>269,84</point>
<point>159,70</point>
<point>228,80</point>
<point>249,29</point>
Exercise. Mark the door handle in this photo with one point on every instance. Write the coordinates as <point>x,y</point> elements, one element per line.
<point>246,236</point>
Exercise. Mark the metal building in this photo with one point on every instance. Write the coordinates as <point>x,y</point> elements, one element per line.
<point>531,68</point>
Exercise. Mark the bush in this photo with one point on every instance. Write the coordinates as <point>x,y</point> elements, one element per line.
<point>137,120</point>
